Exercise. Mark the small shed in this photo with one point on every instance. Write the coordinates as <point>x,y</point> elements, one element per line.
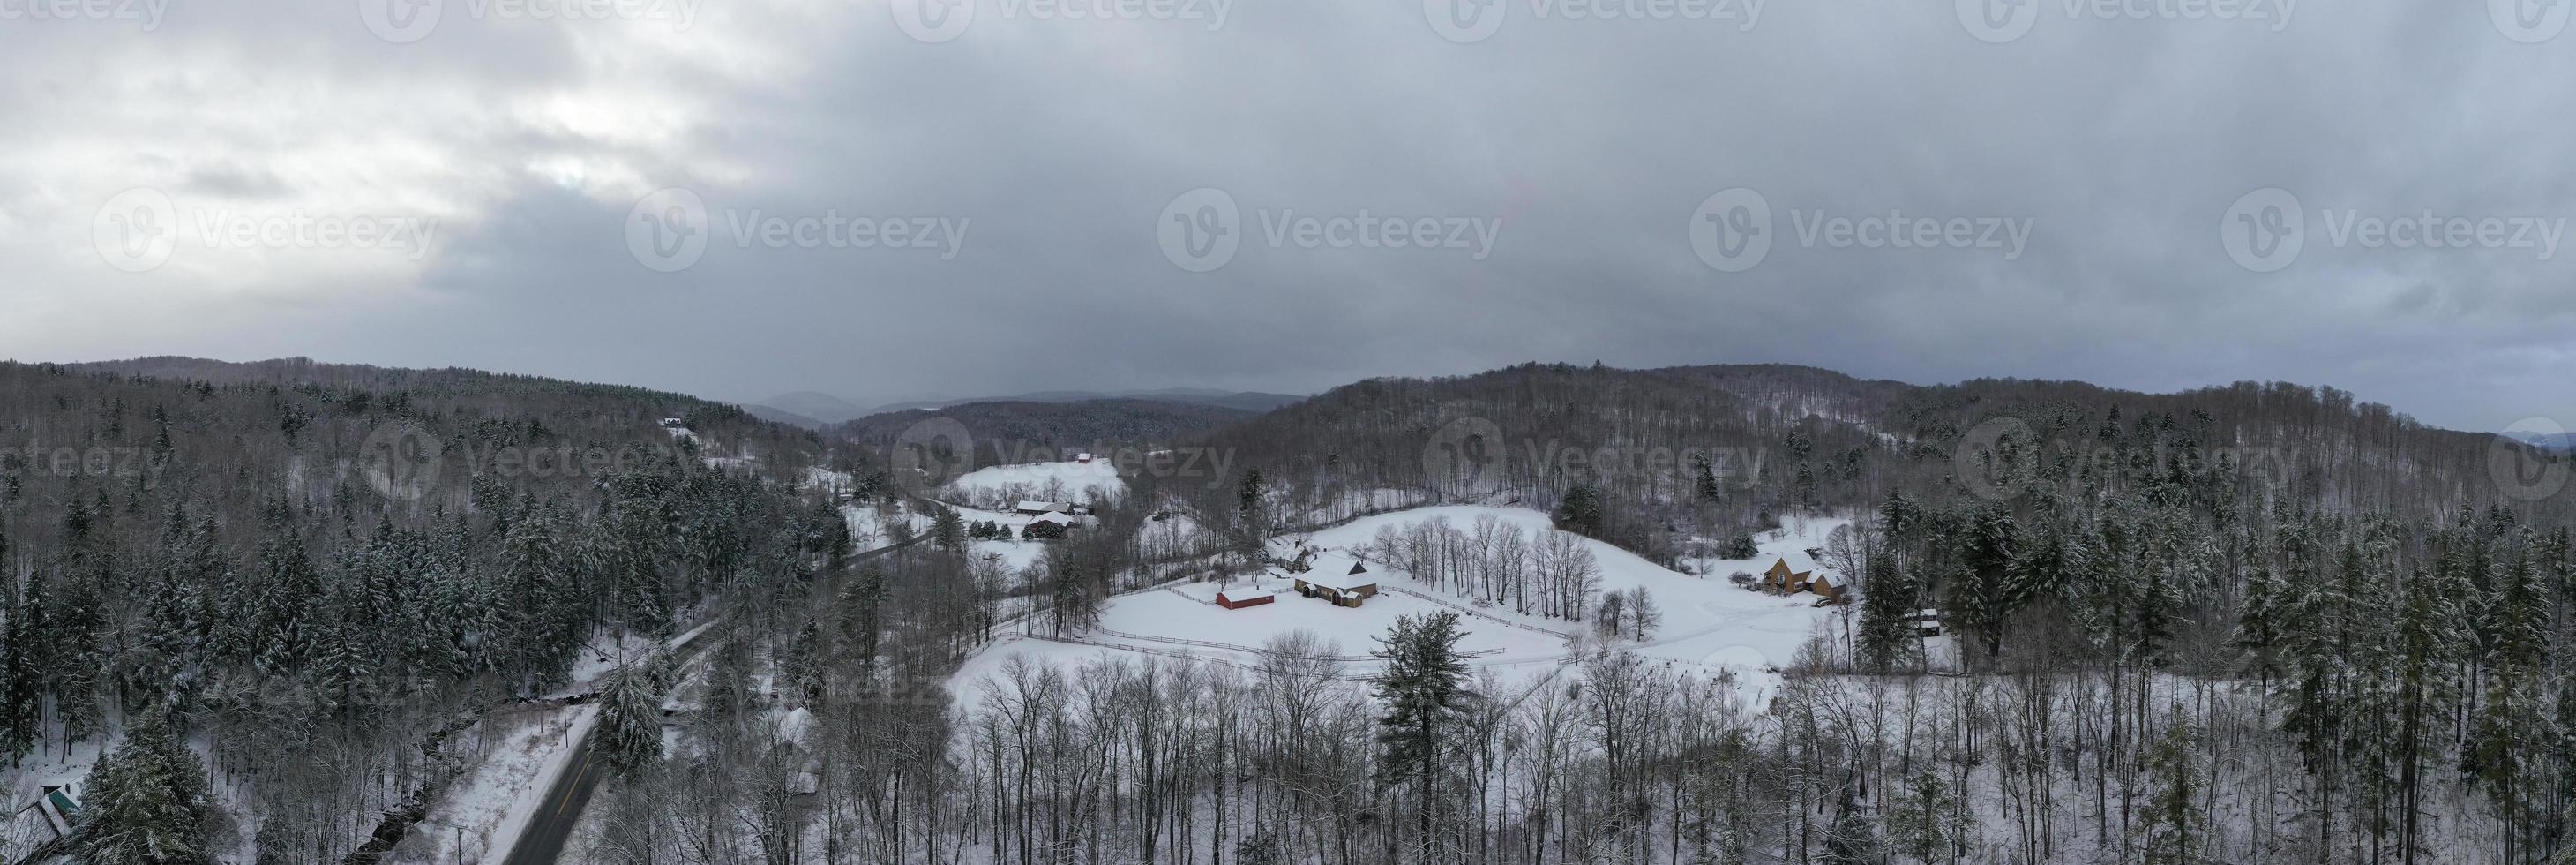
<point>1925,622</point>
<point>1236,599</point>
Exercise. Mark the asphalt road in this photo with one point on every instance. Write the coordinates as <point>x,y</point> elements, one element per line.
<point>548,831</point>
<point>544,838</point>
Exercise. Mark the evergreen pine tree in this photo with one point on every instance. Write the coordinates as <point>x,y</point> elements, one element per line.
<point>1424,689</point>
<point>2173,828</point>
<point>148,802</point>
<point>630,717</point>
<point>1852,838</point>
<point>1706,486</point>
<point>1580,512</point>
<point>1886,601</point>
<point>947,530</point>
<point>1250,493</point>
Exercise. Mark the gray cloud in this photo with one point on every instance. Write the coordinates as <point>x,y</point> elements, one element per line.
<point>1057,144</point>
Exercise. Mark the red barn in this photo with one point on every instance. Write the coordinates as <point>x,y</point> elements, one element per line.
<point>1236,599</point>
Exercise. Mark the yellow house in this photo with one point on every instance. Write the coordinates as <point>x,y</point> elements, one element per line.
<point>1786,579</point>
<point>1783,579</point>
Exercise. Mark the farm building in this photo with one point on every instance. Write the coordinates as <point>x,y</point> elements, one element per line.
<point>1345,582</point>
<point>43,825</point>
<point>1236,599</point>
<point>1048,525</point>
<point>1031,509</point>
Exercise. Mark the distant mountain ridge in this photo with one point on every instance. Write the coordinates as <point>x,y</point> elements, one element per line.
<point>1011,426</point>
<point>811,405</point>
<point>816,410</point>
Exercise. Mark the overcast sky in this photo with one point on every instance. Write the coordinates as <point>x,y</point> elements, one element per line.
<point>880,198</point>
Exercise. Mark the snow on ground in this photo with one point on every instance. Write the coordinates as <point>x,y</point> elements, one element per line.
<point>483,811</point>
<point>1015,554</point>
<point>818,477</point>
<point>51,765</point>
<point>1056,481</point>
<point>868,526</point>
<point>1709,623</point>
<point>1791,541</point>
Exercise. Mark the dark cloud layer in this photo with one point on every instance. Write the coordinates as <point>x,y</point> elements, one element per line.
<point>1045,153</point>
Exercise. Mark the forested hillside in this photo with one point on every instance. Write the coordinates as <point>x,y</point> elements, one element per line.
<point>2257,623</point>
<point>1671,453</point>
<point>2249,623</point>
<point>313,572</point>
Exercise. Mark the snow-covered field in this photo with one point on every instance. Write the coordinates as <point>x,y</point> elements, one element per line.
<point>1014,554</point>
<point>1053,481</point>
<point>868,526</point>
<point>1708,623</point>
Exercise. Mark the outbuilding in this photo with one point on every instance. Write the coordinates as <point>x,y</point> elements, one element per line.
<point>1236,599</point>
<point>1828,584</point>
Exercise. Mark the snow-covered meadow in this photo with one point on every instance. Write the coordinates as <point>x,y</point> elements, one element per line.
<point>1709,624</point>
